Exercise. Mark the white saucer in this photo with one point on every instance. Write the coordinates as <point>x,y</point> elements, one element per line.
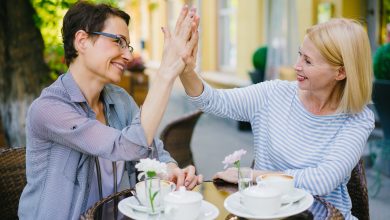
<point>208,211</point>
<point>294,195</point>
<point>232,204</point>
<point>133,203</point>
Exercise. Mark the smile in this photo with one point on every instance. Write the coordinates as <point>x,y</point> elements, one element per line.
<point>119,66</point>
<point>301,78</point>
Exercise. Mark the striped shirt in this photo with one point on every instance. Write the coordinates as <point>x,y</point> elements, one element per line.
<point>319,151</point>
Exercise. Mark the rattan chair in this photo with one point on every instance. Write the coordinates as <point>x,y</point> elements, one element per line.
<point>177,135</point>
<point>95,212</point>
<point>357,189</point>
<point>12,180</point>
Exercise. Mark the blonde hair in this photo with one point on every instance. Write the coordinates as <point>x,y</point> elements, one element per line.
<point>344,43</point>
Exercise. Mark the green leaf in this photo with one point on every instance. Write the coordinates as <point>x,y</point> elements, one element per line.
<point>154,195</point>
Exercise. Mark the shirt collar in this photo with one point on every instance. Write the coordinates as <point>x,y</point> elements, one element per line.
<point>72,88</point>
<point>75,93</point>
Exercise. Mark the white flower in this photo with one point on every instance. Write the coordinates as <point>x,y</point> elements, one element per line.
<point>234,157</point>
<point>148,166</point>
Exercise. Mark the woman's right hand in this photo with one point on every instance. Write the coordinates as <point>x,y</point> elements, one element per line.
<point>180,45</point>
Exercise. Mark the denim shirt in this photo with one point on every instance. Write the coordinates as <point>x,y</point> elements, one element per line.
<point>63,137</point>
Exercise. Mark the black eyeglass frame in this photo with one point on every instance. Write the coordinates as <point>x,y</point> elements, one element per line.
<point>119,39</point>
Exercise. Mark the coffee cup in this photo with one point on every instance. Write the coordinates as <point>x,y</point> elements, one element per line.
<point>165,188</point>
<point>283,182</point>
<point>182,204</point>
<point>261,200</point>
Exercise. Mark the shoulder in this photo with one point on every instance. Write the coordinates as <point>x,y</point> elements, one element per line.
<point>53,94</point>
<point>365,118</point>
<point>278,85</point>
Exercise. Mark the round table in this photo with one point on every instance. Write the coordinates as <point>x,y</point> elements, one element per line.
<point>213,192</point>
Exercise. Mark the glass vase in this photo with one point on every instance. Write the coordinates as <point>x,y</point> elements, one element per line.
<point>245,176</point>
<point>152,192</point>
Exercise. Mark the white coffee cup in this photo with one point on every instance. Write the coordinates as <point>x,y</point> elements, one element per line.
<point>165,188</point>
<point>283,182</point>
<point>262,200</point>
<point>182,204</point>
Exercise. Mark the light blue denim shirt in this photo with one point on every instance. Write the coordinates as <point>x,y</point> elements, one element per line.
<point>63,137</point>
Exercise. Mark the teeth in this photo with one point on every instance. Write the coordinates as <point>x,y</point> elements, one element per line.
<point>121,67</point>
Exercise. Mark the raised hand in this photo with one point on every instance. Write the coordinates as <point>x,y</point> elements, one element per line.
<point>181,44</point>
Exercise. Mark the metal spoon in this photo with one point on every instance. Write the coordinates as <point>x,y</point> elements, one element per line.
<point>136,197</point>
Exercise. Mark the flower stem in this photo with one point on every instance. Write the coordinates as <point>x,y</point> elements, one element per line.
<point>151,198</point>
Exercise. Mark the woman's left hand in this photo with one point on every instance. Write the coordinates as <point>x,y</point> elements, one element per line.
<point>229,175</point>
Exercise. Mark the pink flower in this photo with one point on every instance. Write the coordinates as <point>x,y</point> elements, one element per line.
<point>233,158</point>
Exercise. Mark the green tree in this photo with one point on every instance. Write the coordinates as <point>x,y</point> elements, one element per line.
<point>31,56</point>
<point>22,67</point>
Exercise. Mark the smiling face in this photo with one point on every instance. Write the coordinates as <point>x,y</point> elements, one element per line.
<point>314,73</point>
<point>104,57</point>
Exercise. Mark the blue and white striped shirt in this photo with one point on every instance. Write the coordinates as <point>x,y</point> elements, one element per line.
<point>319,151</point>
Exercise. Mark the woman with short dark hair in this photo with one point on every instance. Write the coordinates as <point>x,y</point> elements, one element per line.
<point>83,131</point>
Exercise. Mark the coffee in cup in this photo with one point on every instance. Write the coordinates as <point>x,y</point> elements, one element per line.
<point>281,181</point>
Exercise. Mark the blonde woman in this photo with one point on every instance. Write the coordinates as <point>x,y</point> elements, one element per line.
<point>314,128</point>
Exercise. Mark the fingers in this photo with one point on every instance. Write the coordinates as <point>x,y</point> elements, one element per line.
<point>179,177</point>
<point>190,47</point>
<point>190,174</point>
<point>184,30</point>
<point>167,36</point>
<point>200,178</point>
<point>181,18</point>
<point>167,33</point>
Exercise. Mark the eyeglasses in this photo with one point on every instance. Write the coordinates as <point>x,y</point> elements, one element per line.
<point>120,40</point>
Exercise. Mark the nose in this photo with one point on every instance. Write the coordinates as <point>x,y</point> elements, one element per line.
<point>127,55</point>
<point>298,65</point>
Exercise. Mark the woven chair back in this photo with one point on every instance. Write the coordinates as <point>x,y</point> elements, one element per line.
<point>12,180</point>
<point>177,135</point>
<point>357,189</point>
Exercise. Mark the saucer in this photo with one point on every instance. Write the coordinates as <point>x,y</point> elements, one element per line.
<point>232,204</point>
<point>208,211</point>
<point>295,195</point>
<point>133,203</point>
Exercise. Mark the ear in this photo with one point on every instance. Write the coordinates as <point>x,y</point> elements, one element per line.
<point>341,75</point>
<point>81,41</point>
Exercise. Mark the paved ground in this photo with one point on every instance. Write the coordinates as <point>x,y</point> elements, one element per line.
<point>214,138</point>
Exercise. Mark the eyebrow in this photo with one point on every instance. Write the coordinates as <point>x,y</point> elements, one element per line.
<point>120,35</point>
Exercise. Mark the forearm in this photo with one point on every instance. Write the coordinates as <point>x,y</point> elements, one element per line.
<point>155,104</point>
<point>192,84</point>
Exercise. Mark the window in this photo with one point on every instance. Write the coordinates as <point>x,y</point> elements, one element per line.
<point>227,37</point>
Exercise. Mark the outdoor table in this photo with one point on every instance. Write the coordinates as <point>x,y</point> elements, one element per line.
<point>213,192</point>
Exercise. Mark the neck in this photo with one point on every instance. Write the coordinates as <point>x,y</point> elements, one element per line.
<point>89,84</point>
<point>321,102</point>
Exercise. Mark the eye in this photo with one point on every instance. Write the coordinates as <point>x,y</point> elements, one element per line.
<point>307,61</point>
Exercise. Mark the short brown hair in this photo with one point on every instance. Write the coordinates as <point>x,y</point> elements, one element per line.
<point>88,17</point>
